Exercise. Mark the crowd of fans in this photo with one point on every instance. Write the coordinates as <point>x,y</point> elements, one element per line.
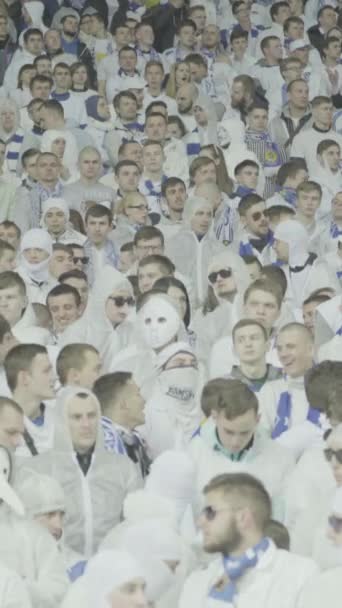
<point>170,304</point>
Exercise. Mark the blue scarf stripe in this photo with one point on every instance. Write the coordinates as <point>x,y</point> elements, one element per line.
<point>284,410</point>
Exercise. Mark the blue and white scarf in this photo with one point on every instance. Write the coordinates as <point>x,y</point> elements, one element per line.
<point>335,230</point>
<point>284,411</point>
<point>289,195</point>
<point>235,568</point>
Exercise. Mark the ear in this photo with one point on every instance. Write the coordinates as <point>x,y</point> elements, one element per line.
<point>244,519</point>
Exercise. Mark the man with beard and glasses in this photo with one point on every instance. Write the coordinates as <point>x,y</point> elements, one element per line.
<point>255,237</point>
<point>251,570</point>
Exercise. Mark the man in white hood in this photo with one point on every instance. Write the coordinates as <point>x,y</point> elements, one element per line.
<point>44,502</point>
<point>35,256</point>
<point>251,571</point>
<point>94,481</point>
<point>28,549</point>
<point>55,219</point>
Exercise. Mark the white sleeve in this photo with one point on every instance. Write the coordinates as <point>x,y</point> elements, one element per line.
<point>13,591</point>
<point>51,583</point>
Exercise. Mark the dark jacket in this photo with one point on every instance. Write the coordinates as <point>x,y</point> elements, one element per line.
<point>7,50</point>
<point>316,37</point>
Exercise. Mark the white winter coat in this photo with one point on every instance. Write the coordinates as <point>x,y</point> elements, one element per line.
<point>276,581</point>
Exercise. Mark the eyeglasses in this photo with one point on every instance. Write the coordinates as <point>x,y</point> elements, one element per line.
<point>257,215</point>
<point>120,301</point>
<point>225,273</point>
<point>335,523</point>
<point>329,453</point>
<point>140,207</point>
<point>84,260</point>
<point>210,513</point>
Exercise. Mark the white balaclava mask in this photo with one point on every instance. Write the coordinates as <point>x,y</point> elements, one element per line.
<point>7,494</point>
<point>178,382</point>
<point>36,238</point>
<point>159,321</point>
<point>296,236</point>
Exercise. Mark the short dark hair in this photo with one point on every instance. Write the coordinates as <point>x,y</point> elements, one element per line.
<point>318,382</point>
<point>238,33</point>
<point>72,356</point>
<point>54,106</point>
<point>20,358</point>
<point>108,388</point>
<point>265,42</point>
<point>325,144</point>
<point>30,153</point>
<point>245,490</point>
<point>119,96</point>
<point>279,534</point>
<point>145,233</point>
<point>245,163</point>
<point>235,399</point>
<point>170,182</point>
<point>290,169</point>
<point>247,323</point>
<point>164,283</point>
<point>4,246</point>
<point>9,224</point>
<point>275,274</point>
<point>125,163</point>
<point>274,10</point>
<point>99,211</point>
<point>165,265</point>
<point>264,285</point>
<point>32,31</point>
<point>62,290</point>
<point>73,274</point>
<point>9,278</point>
<point>247,202</point>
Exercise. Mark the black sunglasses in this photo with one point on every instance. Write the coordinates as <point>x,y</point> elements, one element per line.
<point>329,453</point>
<point>225,273</point>
<point>120,301</point>
<point>258,215</point>
<point>83,260</point>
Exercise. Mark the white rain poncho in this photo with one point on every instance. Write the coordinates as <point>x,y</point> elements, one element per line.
<point>311,276</point>
<point>69,235</point>
<point>41,495</point>
<point>107,481</point>
<point>94,327</point>
<point>191,256</point>
<point>36,276</point>
<point>212,326</point>
<point>26,548</point>
<point>70,156</point>
<point>172,413</point>
<point>105,572</point>
<point>207,134</point>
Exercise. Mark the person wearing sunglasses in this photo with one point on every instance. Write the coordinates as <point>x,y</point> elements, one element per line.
<point>132,215</point>
<point>255,237</point>
<point>227,279</point>
<point>79,259</point>
<point>231,440</point>
<point>251,570</point>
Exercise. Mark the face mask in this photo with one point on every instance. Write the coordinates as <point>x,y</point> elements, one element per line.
<point>38,272</point>
<point>160,322</point>
<point>180,383</point>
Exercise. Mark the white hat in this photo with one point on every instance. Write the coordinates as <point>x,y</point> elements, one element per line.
<point>172,475</point>
<point>58,203</point>
<point>295,45</point>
